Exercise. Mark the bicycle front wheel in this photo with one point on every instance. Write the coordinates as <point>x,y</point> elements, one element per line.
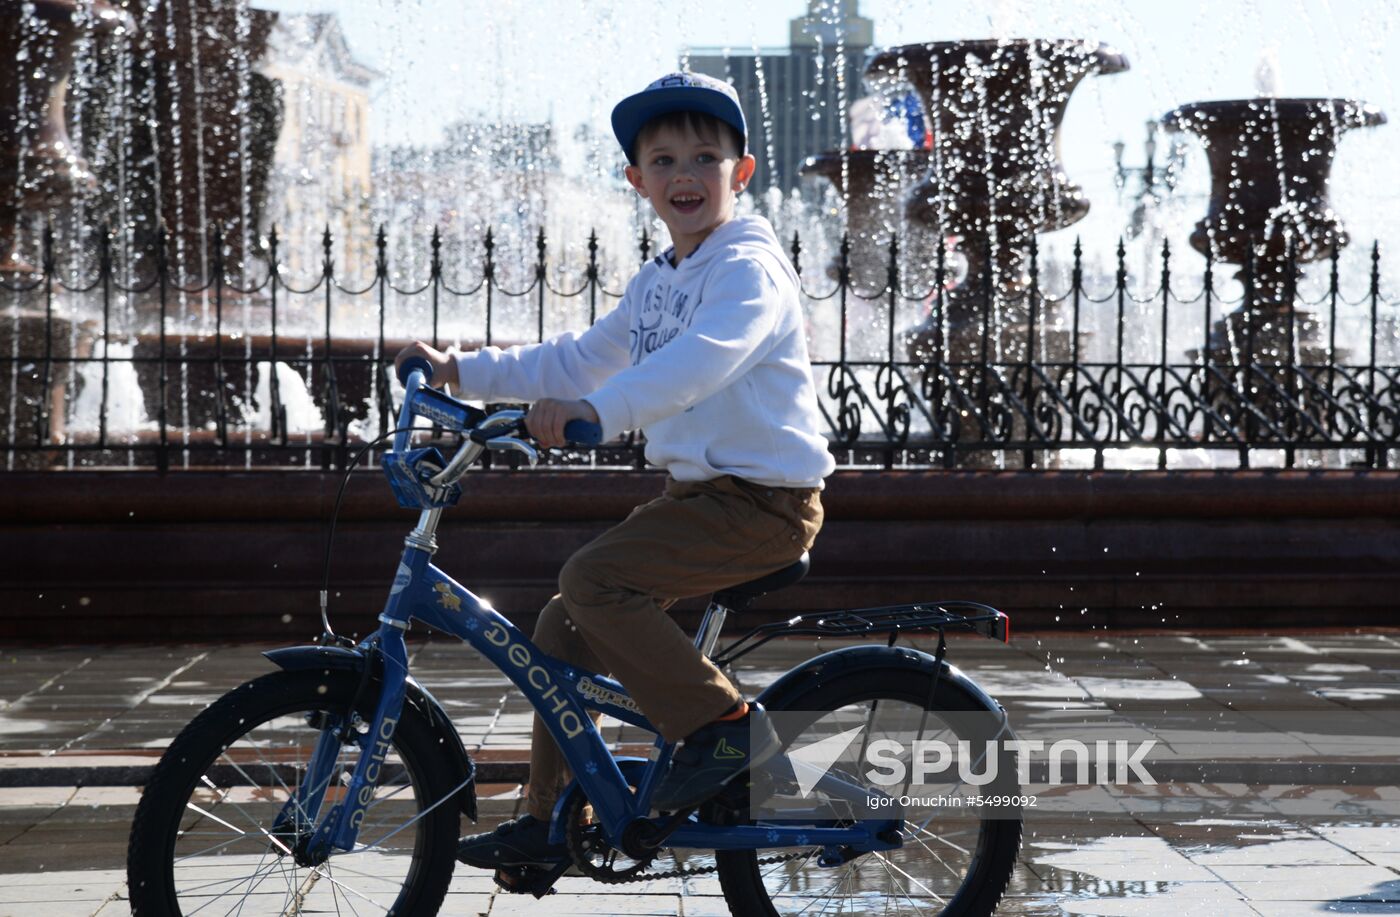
<point>953,862</point>
<point>203,839</point>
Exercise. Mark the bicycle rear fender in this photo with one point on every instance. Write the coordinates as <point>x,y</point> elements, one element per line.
<point>848,659</point>
<point>299,658</point>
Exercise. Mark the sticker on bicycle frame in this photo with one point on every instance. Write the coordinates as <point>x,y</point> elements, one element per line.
<point>446,598</point>
<point>539,678</point>
<point>599,694</point>
<point>402,578</point>
<point>437,415</point>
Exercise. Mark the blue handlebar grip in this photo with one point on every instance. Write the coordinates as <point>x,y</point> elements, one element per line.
<point>419,363</point>
<point>583,433</point>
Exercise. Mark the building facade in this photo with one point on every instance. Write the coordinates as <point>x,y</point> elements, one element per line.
<point>795,98</point>
<point>321,175</point>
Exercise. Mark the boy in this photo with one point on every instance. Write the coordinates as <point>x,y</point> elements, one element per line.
<point>707,354</point>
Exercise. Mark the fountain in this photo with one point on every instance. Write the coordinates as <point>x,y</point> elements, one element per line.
<point>37,158</point>
<point>871,182</point>
<point>174,133</point>
<point>41,172</point>
<point>994,108</point>
<point>1270,160</point>
<point>203,159</point>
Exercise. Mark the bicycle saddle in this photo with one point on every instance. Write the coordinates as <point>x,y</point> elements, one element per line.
<point>737,598</point>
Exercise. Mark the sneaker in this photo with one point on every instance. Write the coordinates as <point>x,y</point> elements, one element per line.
<point>712,756</point>
<point>523,841</point>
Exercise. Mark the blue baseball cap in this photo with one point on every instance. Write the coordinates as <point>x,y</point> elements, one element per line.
<point>681,91</point>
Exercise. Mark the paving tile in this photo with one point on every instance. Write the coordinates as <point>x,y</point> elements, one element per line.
<point>1286,881</point>
<point>1216,900</point>
<point>65,908</point>
<point>609,903</point>
<point>1383,838</point>
<point>1390,860</point>
<point>465,904</point>
<point>1314,908</point>
<point>1296,851</point>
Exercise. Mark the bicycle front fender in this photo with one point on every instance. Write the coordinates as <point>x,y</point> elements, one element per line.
<point>848,659</point>
<point>298,658</point>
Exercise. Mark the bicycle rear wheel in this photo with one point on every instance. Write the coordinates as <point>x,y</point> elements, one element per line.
<point>202,839</point>
<point>954,862</point>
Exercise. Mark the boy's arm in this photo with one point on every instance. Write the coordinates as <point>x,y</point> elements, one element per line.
<point>731,331</point>
<point>567,366</point>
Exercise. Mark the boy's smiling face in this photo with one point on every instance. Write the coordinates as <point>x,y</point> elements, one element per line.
<point>691,180</point>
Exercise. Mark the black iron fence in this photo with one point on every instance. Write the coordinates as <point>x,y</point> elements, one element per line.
<point>108,364</point>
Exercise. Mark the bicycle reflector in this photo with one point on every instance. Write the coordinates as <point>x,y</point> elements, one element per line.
<point>996,626</point>
<point>409,474</point>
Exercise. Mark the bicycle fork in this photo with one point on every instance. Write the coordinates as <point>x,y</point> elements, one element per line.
<point>341,827</point>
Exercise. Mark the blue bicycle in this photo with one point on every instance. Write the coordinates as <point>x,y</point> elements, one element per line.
<point>337,784</point>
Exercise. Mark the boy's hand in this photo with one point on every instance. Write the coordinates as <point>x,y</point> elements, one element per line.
<point>548,415</point>
<point>444,367</point>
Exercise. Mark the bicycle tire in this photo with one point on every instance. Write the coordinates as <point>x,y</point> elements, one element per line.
<point>204,815</point>
<point>754,891</point>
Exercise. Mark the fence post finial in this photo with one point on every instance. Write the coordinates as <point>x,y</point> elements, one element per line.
<point>327,265</point>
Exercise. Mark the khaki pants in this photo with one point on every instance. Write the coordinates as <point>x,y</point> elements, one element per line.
<point>610,615</point>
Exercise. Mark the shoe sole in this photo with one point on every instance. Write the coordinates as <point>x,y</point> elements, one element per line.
<point>770,751</point>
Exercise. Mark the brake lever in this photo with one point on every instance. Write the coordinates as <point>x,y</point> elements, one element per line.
<point>498,425</point>
<point>511,444</point>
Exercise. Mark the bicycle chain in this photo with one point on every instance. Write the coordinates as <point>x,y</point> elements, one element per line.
<point>574,839</point>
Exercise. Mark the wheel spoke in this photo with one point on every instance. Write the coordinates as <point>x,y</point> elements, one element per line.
<point>413,821</point>
<point>890,865</point>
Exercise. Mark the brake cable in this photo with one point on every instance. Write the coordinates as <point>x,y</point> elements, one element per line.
<point>329,636</point>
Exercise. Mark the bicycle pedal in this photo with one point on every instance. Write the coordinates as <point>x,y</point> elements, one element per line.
<point>530,880</point>
<point>518,880</point>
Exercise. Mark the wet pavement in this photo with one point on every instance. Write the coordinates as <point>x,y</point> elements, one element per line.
<point>1277,761</point>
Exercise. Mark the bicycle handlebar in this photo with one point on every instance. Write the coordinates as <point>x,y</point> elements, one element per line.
<point>577,432</point>
<point>420,364</point>
<point>583,433</point>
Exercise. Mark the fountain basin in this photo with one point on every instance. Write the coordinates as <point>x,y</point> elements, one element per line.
<point>1270,161</point>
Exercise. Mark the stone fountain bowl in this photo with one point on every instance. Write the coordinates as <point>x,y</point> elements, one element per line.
<point>997,103</point>
<point>1270,161</point>
<point>916,61</point>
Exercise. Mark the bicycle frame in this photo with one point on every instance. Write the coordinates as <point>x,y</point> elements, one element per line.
<point>562,693</point>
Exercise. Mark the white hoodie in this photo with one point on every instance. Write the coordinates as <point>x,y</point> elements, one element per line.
<point>708,358</point>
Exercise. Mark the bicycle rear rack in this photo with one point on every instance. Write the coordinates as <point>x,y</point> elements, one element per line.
<point>888,619</point>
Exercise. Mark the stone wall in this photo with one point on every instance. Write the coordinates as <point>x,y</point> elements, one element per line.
<point>113,556</point>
